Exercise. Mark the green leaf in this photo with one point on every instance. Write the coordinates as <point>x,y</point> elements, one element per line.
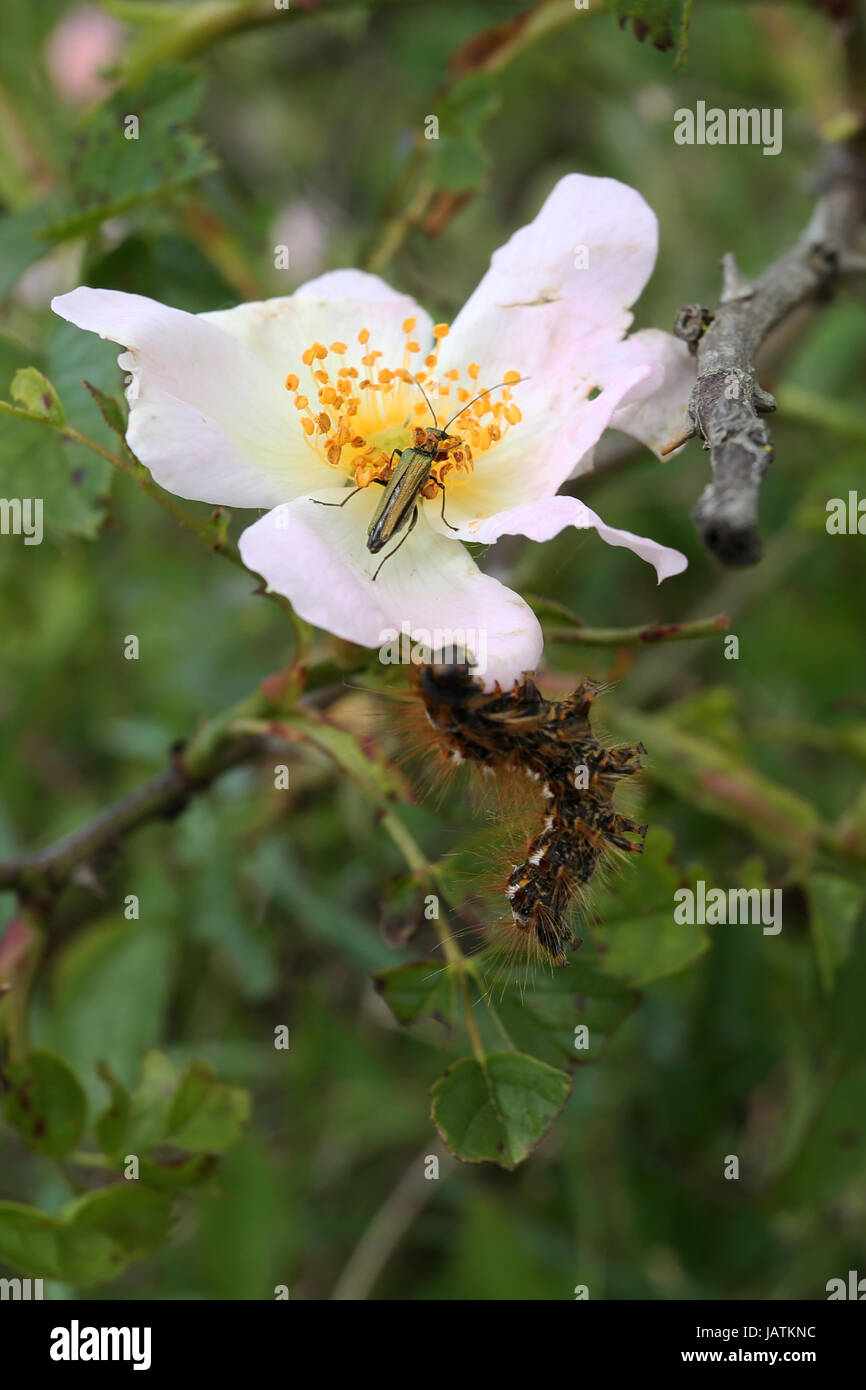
<point>637,936</point>
<point>45,1103</point>
<point>104,1232</point>
<point>110,409</point>
<point>145,1111</point>
<point>112,174</point>
<point>361,758</point>
<point>834,905</point>
<point>112,1124</point>
<point>35,392</point>
<point>541,1017</point>
<point>108,993</point>
<point>499,1110</point>
<point>90,1241</point>
<point>191,1111</point>
<point>206,1115</point>
<point>458,164</point>
<point>420,989</point>
<point>29,1241</point>
<point>35,463</point>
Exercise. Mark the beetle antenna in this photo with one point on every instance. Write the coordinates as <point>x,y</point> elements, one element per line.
<point>478,397</point>
<point>427,399</point>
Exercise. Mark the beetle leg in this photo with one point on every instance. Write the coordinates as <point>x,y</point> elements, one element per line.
<point>447,523</point>
<point>352,494</point>
<point>410,528</point>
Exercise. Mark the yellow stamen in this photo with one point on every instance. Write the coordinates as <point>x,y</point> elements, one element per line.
<point>368,411</point>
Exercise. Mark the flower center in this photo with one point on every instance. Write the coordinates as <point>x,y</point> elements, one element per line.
<point>362,415</point>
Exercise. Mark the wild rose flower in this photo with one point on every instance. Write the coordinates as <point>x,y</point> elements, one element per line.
<point>286,404</point>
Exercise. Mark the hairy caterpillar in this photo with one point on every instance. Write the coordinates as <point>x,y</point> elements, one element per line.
<point>553,742</point>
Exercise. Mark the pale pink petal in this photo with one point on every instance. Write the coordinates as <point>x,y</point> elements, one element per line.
<point>546,518</point>
<point>539,308</point>
<point>660,415</point>
<point>173,354</point>
<point>552,441</point>
<point>332,308</point>
<point>317,557</point>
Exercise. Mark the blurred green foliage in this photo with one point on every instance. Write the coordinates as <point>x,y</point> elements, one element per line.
<point>261,909</point>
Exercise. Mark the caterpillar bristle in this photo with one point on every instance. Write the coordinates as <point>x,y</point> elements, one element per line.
<point>515,733</point>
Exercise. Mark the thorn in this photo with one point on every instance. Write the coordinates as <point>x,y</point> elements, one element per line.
<point>734,283</point>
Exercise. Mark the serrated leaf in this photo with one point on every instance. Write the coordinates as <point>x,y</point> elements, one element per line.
<point>541,1016</point>
<point>110,409</point>
<point>499,1110</point>
<point>45,1103</point>
<point>206,1115</point>
<point>35,392</point>
<point>150,1103</point>
<point>191,1111</point>
<point>420,989</point>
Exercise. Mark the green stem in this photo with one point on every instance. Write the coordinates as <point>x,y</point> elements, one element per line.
<point>648,634</point>
<point>471,1025</point>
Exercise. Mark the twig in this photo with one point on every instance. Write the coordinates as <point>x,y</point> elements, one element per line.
<point>219,744</point>
<point>388,1228</point>
<point>647,634</point>
<point>727,404</point>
